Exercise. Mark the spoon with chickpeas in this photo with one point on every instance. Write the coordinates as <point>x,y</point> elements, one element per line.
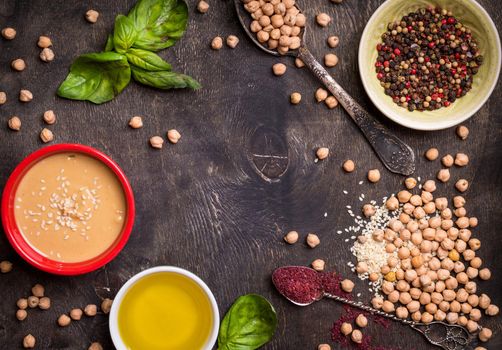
<point>278,28</point>
<point>303,286</point>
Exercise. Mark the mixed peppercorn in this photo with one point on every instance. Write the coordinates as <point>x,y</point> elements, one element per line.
<point>427,60</point>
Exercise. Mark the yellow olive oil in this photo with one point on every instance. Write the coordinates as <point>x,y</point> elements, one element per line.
<point>165,311</point>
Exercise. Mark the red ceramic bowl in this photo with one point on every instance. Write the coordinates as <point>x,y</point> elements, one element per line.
<point>23,248</point>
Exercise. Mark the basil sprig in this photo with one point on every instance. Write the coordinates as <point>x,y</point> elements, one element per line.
<point>150,26</point>
<point>249,324</point>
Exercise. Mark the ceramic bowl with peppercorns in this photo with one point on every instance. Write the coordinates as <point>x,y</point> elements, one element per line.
<point>429,64</point>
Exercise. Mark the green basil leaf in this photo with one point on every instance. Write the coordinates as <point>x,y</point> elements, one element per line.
<point>109,43</point>
<point>146,60</point>
<point>159,23</point>
<point>249,324</point>
<point>96,77</point>
<point>164,79</point>
<point>124,33</point>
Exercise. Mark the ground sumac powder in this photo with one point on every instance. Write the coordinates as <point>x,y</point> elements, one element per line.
<point>427,60</point>
<point>300,284</point>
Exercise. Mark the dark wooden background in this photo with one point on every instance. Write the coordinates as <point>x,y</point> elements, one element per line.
<point>201,204</point>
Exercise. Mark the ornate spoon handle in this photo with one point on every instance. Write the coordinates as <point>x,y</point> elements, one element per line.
<point>446,336</point>
<point>396,155</point>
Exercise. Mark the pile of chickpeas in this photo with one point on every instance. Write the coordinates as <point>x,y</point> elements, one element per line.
<point>277,23</point>
<point>432,265</point>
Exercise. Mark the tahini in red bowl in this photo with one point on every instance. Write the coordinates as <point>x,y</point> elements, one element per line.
<point>68,209</point>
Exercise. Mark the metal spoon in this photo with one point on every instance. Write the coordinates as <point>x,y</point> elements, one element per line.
<point>444,335</point>
<point>396,155</point>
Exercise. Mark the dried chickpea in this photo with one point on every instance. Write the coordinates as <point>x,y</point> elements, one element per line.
<point>357,336</point>
<point>64,320</point>
<point>299,63</point>
<point>369,210</point>
<point>38,290</point>
<point>374,175</point>
<point>76,314</point>
<point>202,6</point>
<point>8,33</point>
<point>321,95</point>
<point>349,166</point>
<point>377,302</point>
<point>429,186</point>
<point>485,334</point>
<point>462,132</point>
<point>447,161</point>
<point>173,136</point>
<point>92,16</point>
<point>410,183</point>
<point>217,42</point>
<point>485,274</point>
<point>347,285</point>
<point>18,64</point>
<point>461,159</point>
<point>387,306</point>
<point>295,98</point>
<point>3,97</point>
<point>331,102</point>
<point>291,237</point>
<point>106,305</point>
<point>22,303</point>
<point>330,60</point>
<point>47,55</point>
<point>484,301</point>
<point>44,42</point>
<point>346,328</point>
<point>156,142</point>
<point>323,19</point>
<point>279,69</point>
<point>432,154</point>
<point>492,310</point>
<point>25,96</point>
<point>33,301</point>
<point>402,312</point>
<point>322,153</point>
<point>90,310</point>
<point>443,175</point>
<point>462,185</point>
<point>313,240</point>
<point>29,342</point>
<point>333,41</point>
<point>452,317</point>
<point>44,303</point>
<point>21,314</point>
<point>14,123</point>
<point>318,265</point>
<point>95,346</point>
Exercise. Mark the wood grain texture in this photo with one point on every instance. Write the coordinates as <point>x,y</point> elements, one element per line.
<point>202,204</point>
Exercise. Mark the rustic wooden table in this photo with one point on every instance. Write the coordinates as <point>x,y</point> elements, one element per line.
<point>203,204</point>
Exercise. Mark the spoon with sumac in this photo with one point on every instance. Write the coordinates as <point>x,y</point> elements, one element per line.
<point>303,286</point>
<point>396,155</point>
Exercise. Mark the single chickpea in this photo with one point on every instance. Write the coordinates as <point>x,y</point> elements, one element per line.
<point>432,154</point>
<point>279,69</point>
<point>388,307</point>
<point>357,336</point>
<point>92,16</point>
<point>426,196</point>
<point>429,186</point>
<point>3,97</point>
<point>410,183</point>
<point>447,161</point>
<point>416,316</point>
<point>476,262</point>
<point>44,42</point>
<point>49,117</point>
<point>14,123</point>
<point>473,221</point>
<point>331,102</point>
<point>156,142</point>
<point>462,321</point>
<point>64,320</point>
<point>106,305</point>
<point>21,314</point>
<point>362,267</point>
<point>492,310</point>
<point>330,60</point>
<point>321,95</point>
<point>443,175</point>
<point>427,317</point>
<point>333,41</point>
<point>323,19</point>
<point>202,6</point>
<point>25,96</point>
<point>440,315</point>
<point>33,301</point>
<point>255,27</point>
<point>313,240</point>
<point>369,210</point>
<point>462,185</point>
<point>485,274</point>
<point>233,41</point>
<point>29,342</point>
<point>346,328</point>
<point>458,201</point>
<point>452,317</point>
<point>377,302</point>
<point>38,290</point>
<point>90,310</point>
<point>474,243</point>
<point>373,277</point>
<point>299,63</point>
<point>8,33</point>
<point>413,306</point>
<point>18,64</point>
<point>322,153</point>
<point>291,237</point>
<point>473,300</point>
<point>461,159</point>
<point>374,175</point>
<point>22,303</point>
<point>173,136</point>
<point>44,303</point>
<point>47,55</point>
<point>76,314</point>
<point>485,334</point>
<point>484,301</point>
<point>95,346</point>
<point>347,285</point>
<point>462,132</point>
<point>217,42</point>
<point>295,98</point>
<point>318,265</point>
<point>402,312</point>
<point>277,21</point>
<point>136,122</point>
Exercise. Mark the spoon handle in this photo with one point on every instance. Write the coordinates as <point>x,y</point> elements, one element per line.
<point>396,155</point>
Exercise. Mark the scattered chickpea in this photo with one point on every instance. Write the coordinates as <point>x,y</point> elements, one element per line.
<point>432,154</point>
<point>44,42</point>
<point>232,41</point>
<point>21,314</point>
<point>25,96</point>
<point>323,347</point>
<point>429,186</point>
<point>18,64</point>
<point>322,153</point>
<point>29,342</point>
<point>202,6</point>
<point>279,69</point>
<point>374,175</point>
<point>485,334</point>
<point>369,210</point>
<point>299,63</point>
<point>8,33</point>
<point>462,132</point>
<point>136,122</point>
<point>173,136</point>
<point>76,314</point>
<point>92,16</point>
<point>318,265</point>
<point>44,303</point>
<point>47,55</point>
<point>95,346</point>
<point>323,19</point>
<point>3,97</point>
<point>291,237</point>
<point>462,185</point>
<point>313,240</point>
<point>46,135</point>
<point>461,159</point>
<point>295,98</point>
<point>443,175</point>
<point>330,60</point>
<point>492,310</point>
<point>347,285</point>
<point>410,183</point>
<point>217,43</point>
<point>447,161</point>
<point>64,320</point>
<point>106,305</point>
<point>361,321</point>
<point>38,290</point>
<point>333,41</point>
<point>33,301</point>
<point>49,117</point>
<point>22,303</point>
<point>14,123</point>
<point>356,336</point>
<point>156,142</point>
<point>485,274</point>
<point>321,95</point>
<point>346,328</point>
<point>90,310</point>
<point>331,102</point>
